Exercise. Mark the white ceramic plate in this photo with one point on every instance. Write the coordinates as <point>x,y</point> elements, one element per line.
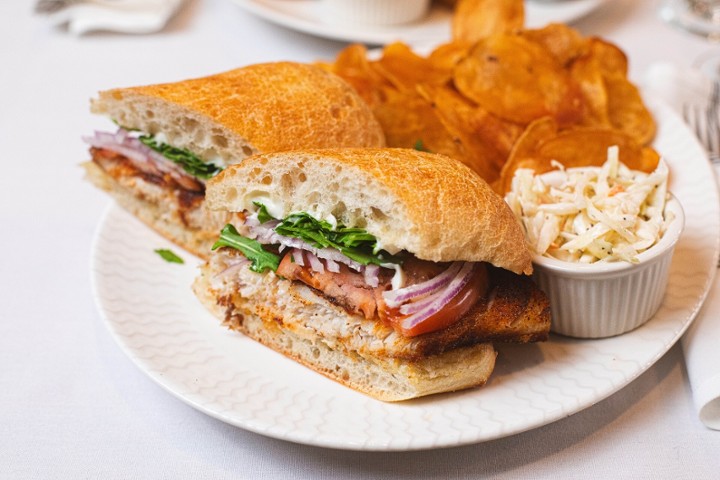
<point>307,16</point>
<point>148,305</point>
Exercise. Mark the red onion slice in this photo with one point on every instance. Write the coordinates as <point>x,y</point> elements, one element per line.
<point>395,298</point>
<point>409,308</point>
<point>315,263</point>
<point>297,256</point>
<point>372,275</point>
<point>135,151</point>
<point>332,265</point>
<point>443,298</point>
<point>141,156</point>
<point>265,234</point>
<point>232,268</point>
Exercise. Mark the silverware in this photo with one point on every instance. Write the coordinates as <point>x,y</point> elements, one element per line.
<point>705,122</point>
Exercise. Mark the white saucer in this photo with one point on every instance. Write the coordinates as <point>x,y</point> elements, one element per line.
<point>307,16</point>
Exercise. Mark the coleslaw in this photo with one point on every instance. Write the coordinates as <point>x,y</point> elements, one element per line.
<point>591,214</point>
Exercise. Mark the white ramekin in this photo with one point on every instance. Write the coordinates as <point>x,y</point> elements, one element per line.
<point>374,12</point>
<point>606,299</point>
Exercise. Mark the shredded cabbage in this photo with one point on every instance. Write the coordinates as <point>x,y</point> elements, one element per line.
<point>588,215</point>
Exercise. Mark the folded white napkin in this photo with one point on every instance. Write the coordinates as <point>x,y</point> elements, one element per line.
<point>126,16</point>
<point>701,343</point>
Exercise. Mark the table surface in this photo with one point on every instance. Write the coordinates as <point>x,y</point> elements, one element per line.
<point>72,405</point>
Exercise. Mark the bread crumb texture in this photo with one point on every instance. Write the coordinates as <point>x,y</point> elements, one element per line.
<point>265,107</point>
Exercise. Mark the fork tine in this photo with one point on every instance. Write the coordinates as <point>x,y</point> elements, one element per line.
<point>688,113</point>
<point>705,122</point>
<point>713,124</point>
<point>696,120</point>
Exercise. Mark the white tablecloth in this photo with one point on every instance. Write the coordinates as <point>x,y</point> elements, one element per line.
<point>73,406</point>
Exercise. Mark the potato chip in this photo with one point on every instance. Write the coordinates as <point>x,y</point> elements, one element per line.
<point>499,97</point>
<point>405,69</point>
<point>627,111</point>
<point>612,59</point>
<point>563,42</point>
<point>518,80</point>
<point>353,66</point>
<point>542,144</point>
<point>409,121</point>
<point>524,153</point>
<point>612,100</point>
<point>447,55</point>
<point>587,72</point>
<point>477,19</point>
<point>583,147</point>
<point>485,138</point>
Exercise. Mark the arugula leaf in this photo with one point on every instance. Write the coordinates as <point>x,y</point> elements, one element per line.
<point>263,214</point>
<point>355,243</point>
<point>420,146</point>
<point>190,162</point>
<point>169,255</point>
<point>260,258</point>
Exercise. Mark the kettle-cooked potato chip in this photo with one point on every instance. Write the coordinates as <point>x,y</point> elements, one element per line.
<point>627,111</point>
<point>542,143</point>
<point>353,65</point>
<point>518,80</point>
<point>464,123</point>
<point>447,55</point>
<point>563,42</point>
<point>524,153</point>
<point>499,97</point>
<point>613,61</point>
<point>405,69</point>
<point>477,19</point>
<point>611,99</point>
<point>584,147</point>
<point>409,121</point>
<point>587,72</point>
<point>487,139</point>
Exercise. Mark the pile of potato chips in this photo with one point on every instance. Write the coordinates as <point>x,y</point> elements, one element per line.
<point>499,97</point>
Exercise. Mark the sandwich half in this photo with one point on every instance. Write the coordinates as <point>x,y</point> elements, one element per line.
<point>172,138</point>
<point>391,271</point>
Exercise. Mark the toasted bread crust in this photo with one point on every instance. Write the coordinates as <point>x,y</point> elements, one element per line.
<point>259,108</point>
<point>430,205</point>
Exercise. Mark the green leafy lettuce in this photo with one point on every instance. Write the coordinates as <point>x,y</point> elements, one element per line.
<point>260,259</point>
<point>355,243</point>
<point>169,256</point>
<point>420,146</point>
<point>262,214</point>
<point>186,159</point>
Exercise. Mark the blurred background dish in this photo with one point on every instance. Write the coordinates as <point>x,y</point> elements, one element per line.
<point>701,17</point>
<point>309,16</point>
<point>375,12</point>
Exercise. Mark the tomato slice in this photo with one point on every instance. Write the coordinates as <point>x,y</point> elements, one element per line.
<point>452,312</point>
